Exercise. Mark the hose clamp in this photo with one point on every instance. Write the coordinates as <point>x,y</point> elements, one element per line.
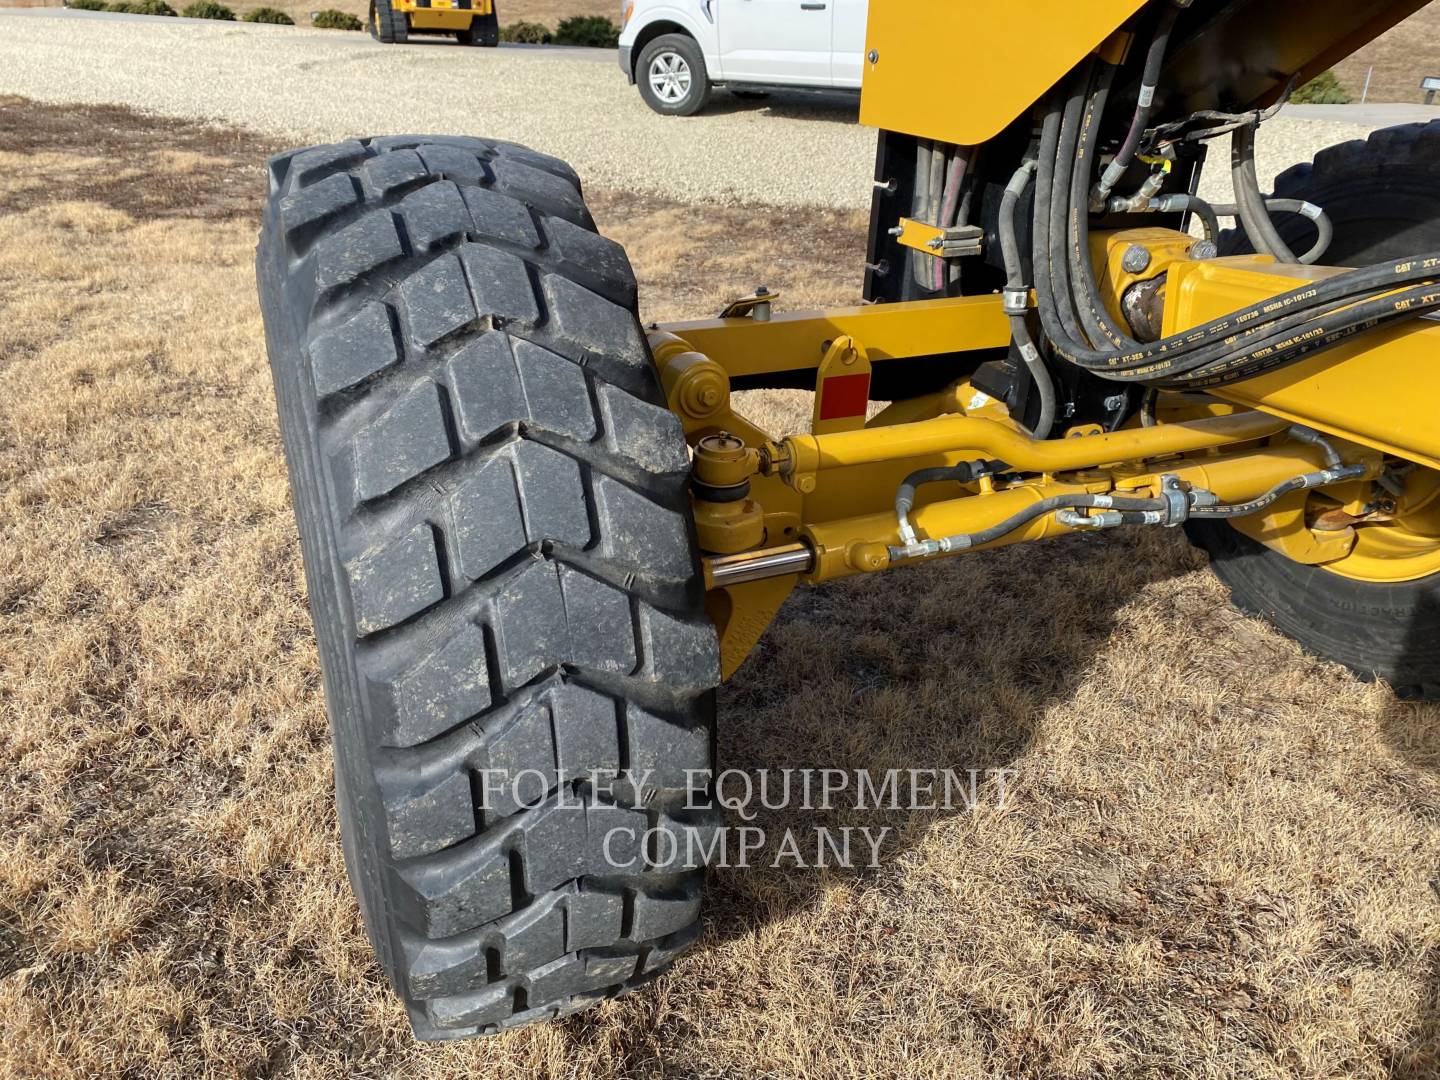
<point>1015,301</point>
<point>1176,499</point>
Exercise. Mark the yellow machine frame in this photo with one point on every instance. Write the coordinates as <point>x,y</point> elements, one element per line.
<point>446,15</point>
<point>925,56</point>
<point>773,511</point>
<point>825,500</point>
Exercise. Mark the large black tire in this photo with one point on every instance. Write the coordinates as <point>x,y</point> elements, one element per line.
<point>483,31</point>
<point>1383,199</point>
<point>680,53</point>
<point>502,573</point>
<point>388,25</point>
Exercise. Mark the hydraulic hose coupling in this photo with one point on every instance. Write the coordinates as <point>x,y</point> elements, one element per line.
<point>964,473</point>
<point>1141,200</point>
<point>1173,506</point>
<point>1105,519</point>
<point>1335,468</point>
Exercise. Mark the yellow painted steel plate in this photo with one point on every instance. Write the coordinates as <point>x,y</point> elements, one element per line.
<point>961,70</point>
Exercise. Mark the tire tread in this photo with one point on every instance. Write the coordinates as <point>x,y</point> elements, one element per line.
<point>491,499</point>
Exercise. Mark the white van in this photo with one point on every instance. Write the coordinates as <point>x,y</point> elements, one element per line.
<point>678,50</point>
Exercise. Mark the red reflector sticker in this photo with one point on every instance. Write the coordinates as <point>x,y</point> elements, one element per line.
<point>844,395</point>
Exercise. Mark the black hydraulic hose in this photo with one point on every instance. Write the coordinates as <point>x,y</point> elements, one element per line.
<point>1381,312</point>
<point>1057,256</point>
<point>1287,345</point>
<point>1050,504</point>
<point>1094,317</point>
<point>967,197</point>
<point>1149,79</point>
<point>1272,343</point>
<point>1038,509</point>
<point>1209,220</point>
<point>1207,355</point>
<point>954,178</point>
<point>949,207</point>
<point>1039,374</point>
<point>1208,213</point>
<point>1267,345</point>
<point>1253,215</point>
<point>1015,283</point>
<point>1009,245</point>
<point>1324,228</point>
<point>1166,354</point>
<point>1285,487</point>
<point>920,207</point>
<point>1147,408</point>
<point>966,207</point>
<point>1236,349</point>
<point>1046,302</point>
<point>963,473</point>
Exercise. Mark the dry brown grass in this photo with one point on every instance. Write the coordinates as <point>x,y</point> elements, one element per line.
<point>1218,860</point>
<point>1401,57</point>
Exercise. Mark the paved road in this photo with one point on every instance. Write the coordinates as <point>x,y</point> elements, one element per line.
<point>307,85</point>
<point>1372,114</point>
<point>310,85</point>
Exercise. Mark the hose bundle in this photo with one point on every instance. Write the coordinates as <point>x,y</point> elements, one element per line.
<point>1075,325</point>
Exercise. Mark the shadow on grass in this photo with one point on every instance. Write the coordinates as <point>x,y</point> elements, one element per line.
<point>1412,729</point>
<point>947,666</point>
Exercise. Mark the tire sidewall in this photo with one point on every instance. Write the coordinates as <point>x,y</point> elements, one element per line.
<point>686,48</point>
<point>486,30</point>
<point>386,25</point>
<point>1381,630</point>
<point>1384,203</point>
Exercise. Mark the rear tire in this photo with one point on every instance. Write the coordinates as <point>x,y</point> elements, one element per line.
<point>387,25</point>
<point>484,31</point>
<point>671,75</point>
<point>491,503</point>
<point>1382,198</point>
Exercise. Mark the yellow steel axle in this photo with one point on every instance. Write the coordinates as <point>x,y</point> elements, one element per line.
<point>812,507</point>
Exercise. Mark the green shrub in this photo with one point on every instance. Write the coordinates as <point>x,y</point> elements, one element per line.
<point>1324,89</point>
<point>208,9</point>
<point>141,7</point>
<point>268,15</point>
<point>526,33</point>
<point>595,31</point>
<point>88,5</point>
<point>330,19</point>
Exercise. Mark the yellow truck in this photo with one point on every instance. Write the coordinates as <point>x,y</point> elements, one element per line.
<point>473,22</point>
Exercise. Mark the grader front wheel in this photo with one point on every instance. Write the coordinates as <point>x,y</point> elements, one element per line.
<point>1376,609</point>
<point>491,503</point>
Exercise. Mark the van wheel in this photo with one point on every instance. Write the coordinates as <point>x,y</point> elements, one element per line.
<point>501,567</point>
<point>672,77</point>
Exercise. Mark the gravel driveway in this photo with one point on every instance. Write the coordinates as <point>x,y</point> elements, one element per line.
<point>309,85</point>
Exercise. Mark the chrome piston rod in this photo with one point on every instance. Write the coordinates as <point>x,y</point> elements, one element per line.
<point>759,565</point>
